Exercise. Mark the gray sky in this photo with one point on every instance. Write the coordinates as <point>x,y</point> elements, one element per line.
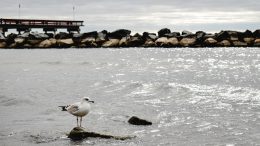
<point>143,15</point>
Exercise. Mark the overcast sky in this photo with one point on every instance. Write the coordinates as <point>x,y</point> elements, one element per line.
<point>143,15</point>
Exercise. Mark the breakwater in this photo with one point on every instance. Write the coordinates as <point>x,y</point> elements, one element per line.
<point>123,38</point>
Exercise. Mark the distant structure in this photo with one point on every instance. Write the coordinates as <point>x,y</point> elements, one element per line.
<point>47,25</point>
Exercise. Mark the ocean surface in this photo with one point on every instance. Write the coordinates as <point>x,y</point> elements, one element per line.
<point>193,96</point>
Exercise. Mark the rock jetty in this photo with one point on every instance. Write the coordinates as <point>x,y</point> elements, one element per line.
<point>122,38</point>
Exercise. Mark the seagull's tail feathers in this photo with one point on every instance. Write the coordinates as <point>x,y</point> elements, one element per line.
<point>63,108</point>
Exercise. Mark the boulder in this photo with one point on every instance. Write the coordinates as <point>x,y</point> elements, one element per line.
<point>111,43</point>
<point>92,34</point>
<point>239,44</point>
<point>149,36</point>
<point>249,41</point>
<point>79,133</point>
<point>101,37</point>
<point>138,121</point>
<point>3,44</point>
<point>149,43</point>
<point>48,43</point>
<point>200,36</point>
<point>19,41</point>
<point>187,42</point>
<point>210,42</point>
<point>10,38</point>
<point>163,31</point>
<point>162,42</point>
<point>135,41</point>
<point>62,35</point>
<point>248,34</point>
<point>227,35</point>
<point>172,34</point>
<point>257,43</point>
<point>224,43</point>
<point>65,43</point>
<point>123,42</point>
<point>2,37</point>
<point>89,42</point>
<point>257,34</point>
<point>187,34</point>
<point>38,36</point>
<point>119,34</point>
<point>173,42</point>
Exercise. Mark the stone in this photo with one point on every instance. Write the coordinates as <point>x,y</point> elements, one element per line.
<point>119,34</point>
<point>19,41</point>
<point>163,31</point>
<point>101,37</point>
<point>135,41</point>
<point>62,35</point>
<point>92,34</point>
<point>249,41</point>
<point>2,37</point>
<point>187,42</point>
<point>10,38</point>
<point>79,133</point>
<point>172,34</point>
<point>123,42</point>
<point>239,44</point>
<point>210,42</point>
<point>257,43</point>
<point>162,42</point>
<point>89,41</point>
<point>3,45</point>
<point>200,36</point>
<point>149,36</point>
<point>227,35</point>
<point>65,42</point>
<point>48,43</point>
<point>257,34</point>
<point>33,42</point>
<point>111,43</point>
<point>224,43</point>
<point>134,120</point>
<point>39,36</point>
<point>149,43</point>
<point>173,42</point>
<point>248,34</point>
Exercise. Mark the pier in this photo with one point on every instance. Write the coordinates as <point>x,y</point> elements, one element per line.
<point>46,25</point>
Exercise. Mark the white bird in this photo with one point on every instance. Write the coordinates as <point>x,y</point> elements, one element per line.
<point>79,109</point>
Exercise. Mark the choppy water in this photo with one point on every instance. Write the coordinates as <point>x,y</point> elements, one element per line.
<point>194,96</point>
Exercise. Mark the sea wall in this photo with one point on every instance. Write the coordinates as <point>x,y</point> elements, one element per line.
<point>123,38</point>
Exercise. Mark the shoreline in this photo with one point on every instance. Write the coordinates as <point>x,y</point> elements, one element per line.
<point>122,38</point>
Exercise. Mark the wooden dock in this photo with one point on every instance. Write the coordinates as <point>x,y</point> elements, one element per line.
<point>46,25</point>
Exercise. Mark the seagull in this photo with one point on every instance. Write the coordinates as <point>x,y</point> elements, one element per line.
<point>79,109</point>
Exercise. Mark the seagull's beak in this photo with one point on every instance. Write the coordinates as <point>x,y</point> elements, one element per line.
<point>91,101</point>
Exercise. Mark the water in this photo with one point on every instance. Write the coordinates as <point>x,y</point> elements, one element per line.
<point>193,96</point>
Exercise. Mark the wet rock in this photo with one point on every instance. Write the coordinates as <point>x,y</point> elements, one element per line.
<point>119,34</point>
<point>149,43</point>
<point>111,43</point>
<point>162,32</point>
<point>135,41</point>
<point>172,34</point>
<point>65,43</point>
<point>187,34</point>
<point>227,35</point>
<point>257,34</point>
<point>210,42</point>
<point>78,133</point>
<point>137,121</point>
<point>3,45</point>
<point>101,37</point>
<point>248,34</point>
<point>187,42</point>
<point>89,42</point>
<point>239,44</point>
<point>10,38</point>
<point>149,36</point>
<point>92,34</point>
<point>224,43</point>
<point>48,43</point>
<point>38,36</point>
<point>200,36</point>
<point>162,42</point>
<point>62,35</point>
<point>257,43</point>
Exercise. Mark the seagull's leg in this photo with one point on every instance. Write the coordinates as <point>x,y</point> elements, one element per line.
<point>80,121</point>
<point>77,121</point>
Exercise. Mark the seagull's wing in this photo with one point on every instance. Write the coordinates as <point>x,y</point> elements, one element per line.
<point>73,108</point>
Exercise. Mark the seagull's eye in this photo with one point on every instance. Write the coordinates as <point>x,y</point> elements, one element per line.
<point>86,99</point>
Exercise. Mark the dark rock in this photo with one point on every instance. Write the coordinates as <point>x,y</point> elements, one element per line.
<point>149,36</point>
<point>200,36</point>
<point>119,34</point>
<point>89,42</point>
<point>257,43</point>
<point>101,37</point>
<point>227,35</point>
<point>3,44</point>
<point>92,34</point>
<point>257,34</point>
<point>38,36</point>
<point>135,41</point>
<point>163,31</point>
<point>239,44</point>
<point>187,34</point>
<point>210,42</point>
<point>10,38</point>
<point>78,133</point>
<point>63,35</point>
<point>172,34</point>
<point>137,121</point>
<point>248,34</point>
<point>188,42</point>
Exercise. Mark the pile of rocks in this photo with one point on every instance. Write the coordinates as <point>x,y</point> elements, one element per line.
<point>123,38</point>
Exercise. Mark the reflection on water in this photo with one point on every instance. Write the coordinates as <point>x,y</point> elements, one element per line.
<point>194,96</point>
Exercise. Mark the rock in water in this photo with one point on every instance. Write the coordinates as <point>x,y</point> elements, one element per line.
<point>137,121</point>
<point>78,133</point>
